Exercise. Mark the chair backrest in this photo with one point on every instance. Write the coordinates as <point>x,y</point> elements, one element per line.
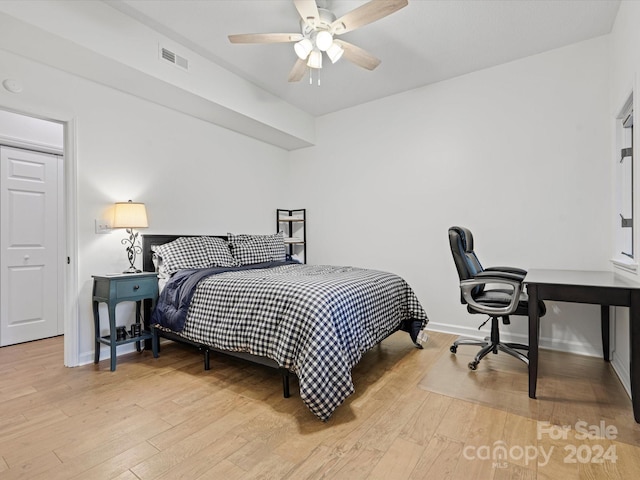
<point>467,263</point>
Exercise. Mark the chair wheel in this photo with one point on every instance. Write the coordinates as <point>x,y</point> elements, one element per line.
<point>453,349</point>
<point>473,365</point>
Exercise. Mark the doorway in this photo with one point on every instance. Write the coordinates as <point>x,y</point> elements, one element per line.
<point>32,242</point>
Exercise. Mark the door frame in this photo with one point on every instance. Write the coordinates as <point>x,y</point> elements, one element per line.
<point>68,235</point>
<point>70,188</point>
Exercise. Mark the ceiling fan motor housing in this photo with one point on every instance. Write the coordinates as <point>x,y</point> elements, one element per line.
<point>309,27</point>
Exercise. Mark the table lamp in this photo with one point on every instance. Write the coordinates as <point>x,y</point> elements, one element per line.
<point>130,215</point>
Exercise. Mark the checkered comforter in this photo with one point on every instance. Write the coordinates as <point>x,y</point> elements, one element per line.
<point>315,321</point>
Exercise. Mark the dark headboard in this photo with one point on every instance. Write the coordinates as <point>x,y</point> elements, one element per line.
<point>149,241</point>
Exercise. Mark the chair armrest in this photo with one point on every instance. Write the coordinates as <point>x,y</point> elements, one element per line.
<point>515,270</point>
<point>484,278</point>
<point>498,274</point>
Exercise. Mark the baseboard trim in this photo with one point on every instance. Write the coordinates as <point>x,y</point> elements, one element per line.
<point>544,342</point>
<point>622,371</point>
<point>86,358</point>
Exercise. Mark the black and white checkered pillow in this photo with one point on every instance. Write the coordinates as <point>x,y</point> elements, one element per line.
<point>219,252</point>
<point>195,252</point>
<point>248,249</point>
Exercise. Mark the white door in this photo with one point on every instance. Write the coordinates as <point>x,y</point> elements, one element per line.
<point>30,247</point>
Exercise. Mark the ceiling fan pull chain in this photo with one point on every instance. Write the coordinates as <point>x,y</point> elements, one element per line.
<point>311,70</point>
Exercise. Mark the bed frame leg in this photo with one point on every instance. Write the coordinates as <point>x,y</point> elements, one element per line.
<point>155,342</point>
<point>207,364</point>
<point>414,331</point>
<point>285,382</point>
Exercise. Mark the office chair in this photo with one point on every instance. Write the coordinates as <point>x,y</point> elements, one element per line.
<point>482,299</point>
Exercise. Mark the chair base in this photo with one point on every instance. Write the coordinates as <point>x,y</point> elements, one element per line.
<point>491,345</point>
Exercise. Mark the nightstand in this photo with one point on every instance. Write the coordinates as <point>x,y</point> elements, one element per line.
<point>116,288</point>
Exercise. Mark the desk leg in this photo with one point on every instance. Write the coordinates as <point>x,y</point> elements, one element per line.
<point>604,327</point>
<point>634,340</point>
<point>534,322</point>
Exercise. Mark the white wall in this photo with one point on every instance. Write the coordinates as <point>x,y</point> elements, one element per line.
<point>18,130</point>
<point>517,153</point>
<point>95,41</point>
<point>193,176</point>
<point>624,68</point>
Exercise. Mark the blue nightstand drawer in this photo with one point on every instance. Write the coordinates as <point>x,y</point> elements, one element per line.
<point>141,287</point>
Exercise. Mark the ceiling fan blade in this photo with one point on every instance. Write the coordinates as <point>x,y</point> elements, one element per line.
<point>365,14</point>
<point>265,37</point>
<point>308,10</point>
<point>298,71</point>
<point>357,55</point>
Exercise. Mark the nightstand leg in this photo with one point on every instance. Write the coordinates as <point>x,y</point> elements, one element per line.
<point>112,336</point>
<point>138,318</point>
<point>96,329</point>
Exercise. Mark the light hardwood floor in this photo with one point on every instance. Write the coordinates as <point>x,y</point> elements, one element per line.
<point>169,419</point>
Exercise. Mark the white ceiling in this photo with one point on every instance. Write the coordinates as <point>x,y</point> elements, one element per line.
<point>426,42</point>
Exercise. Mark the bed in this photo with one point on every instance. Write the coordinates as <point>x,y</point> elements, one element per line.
<point>241,295</point>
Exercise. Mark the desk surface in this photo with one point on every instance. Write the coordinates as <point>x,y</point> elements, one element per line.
<point>579,277</point>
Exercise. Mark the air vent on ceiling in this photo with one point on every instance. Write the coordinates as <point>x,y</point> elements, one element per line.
<point>174,58</point>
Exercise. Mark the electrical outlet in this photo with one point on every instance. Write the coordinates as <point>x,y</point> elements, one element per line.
<point>103,226</point>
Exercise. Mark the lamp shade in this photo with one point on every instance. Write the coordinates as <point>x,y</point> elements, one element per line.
<point>334,52</point>
<point>324,40</point>
<point>130,215</point>
<point>303,48</point>
<point>315,59</point>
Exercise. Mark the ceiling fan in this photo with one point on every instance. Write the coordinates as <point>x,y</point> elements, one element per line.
<point>318,29</point>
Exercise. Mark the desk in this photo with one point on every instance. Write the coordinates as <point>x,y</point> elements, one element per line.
<point>602,288</point>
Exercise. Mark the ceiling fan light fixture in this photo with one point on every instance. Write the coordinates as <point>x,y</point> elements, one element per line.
<point>324,40</point>
<point>315,59</point>
<point>319,26</point>
<point>303,48</point>
<point>334,52</point>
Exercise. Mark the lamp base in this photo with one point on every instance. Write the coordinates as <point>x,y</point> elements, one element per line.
<point>132,250</point>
